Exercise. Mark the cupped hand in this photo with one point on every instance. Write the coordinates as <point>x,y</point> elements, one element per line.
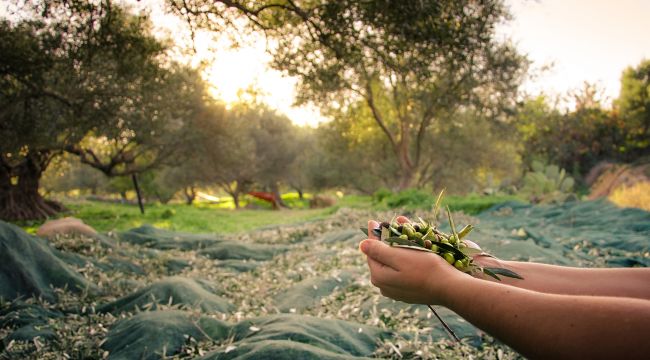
<point>411,276</point>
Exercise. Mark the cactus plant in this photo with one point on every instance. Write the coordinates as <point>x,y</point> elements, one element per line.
<point>547,184</point>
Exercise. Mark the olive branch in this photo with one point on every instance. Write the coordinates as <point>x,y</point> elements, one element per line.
<point>426,236</point>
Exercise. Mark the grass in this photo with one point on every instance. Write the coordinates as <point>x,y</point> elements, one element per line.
<point>200,218</point>
<point>222,218</point>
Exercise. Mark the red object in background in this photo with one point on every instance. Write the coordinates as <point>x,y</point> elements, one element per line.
<point>266,196</point>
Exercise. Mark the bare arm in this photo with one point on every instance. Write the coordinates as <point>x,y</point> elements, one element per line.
<point>538,325</point>
<point>554,326</point>
<point>621,282</point>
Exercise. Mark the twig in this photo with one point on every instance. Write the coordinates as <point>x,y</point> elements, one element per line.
<point>449,330</point>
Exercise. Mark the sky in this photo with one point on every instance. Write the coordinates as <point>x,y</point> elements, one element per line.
<point>582,40</point>
<point>586,40</point>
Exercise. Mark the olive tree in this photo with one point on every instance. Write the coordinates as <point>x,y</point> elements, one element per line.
<point>88,79</point>
<point>410,63</point>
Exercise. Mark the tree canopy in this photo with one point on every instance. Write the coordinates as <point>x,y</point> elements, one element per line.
<point>411,63</point>
<point>88,79</point>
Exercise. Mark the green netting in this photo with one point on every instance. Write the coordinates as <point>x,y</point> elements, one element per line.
<point>27,322</point>
<point>174,266</point>
<point>20,314</point>
<point>320,276</point>
<point>278,350</point>
<point>238,265</point>
<point>157,334</point>
<point>309,292</point>
<point>351,236</point>
<point>231,250</point>
<point>29,332</point>
<point>28,266</point>
<point>149,236</point>
<point>306,335</point>
<point>390,312</point>
<point>567,233</point>
<point>171,291</point>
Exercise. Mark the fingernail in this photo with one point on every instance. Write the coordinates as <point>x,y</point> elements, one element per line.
<point>364,246</point>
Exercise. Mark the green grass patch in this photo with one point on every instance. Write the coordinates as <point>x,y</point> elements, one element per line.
<point>198,218</point>
<point>222,218</point>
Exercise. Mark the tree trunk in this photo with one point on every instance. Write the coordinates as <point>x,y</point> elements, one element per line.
<point>137,191</point>
<point>235,198</point>
<point>19,196</point>
<point>406,171</point>
<point>277,203</point>
<point>190,195</point>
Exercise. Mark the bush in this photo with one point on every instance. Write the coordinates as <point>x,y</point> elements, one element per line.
<point>380,195</point>
<point>637,196</point>
<point>471,204</point>
<point>547,184</point>
<point>411,198</point>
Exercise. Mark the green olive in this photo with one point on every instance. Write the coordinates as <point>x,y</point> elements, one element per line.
<point>452,239</point>
<point>459,265</point>
<point>404,237</point>
<point>449,257</point>
<point>434,247</point>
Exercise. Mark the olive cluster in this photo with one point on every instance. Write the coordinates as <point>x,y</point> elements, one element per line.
<point>426,236</point>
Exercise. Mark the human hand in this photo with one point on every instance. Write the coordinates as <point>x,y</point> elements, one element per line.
<point>407,275</point>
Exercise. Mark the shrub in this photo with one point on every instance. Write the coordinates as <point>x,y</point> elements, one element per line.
<point>411,198</point>
<point>547,184</point>
<point>380,195</point>
<point>637,196</point>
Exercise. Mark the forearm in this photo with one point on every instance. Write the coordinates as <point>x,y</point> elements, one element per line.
<point>621,282</point>
<point>542,325</point>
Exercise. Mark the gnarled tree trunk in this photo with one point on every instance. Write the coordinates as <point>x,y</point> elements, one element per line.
<point>19,196</point>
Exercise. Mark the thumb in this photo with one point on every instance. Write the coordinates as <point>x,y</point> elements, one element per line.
<point>380,252</point>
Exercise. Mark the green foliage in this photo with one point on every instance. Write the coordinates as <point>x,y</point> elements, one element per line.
<point>381,194</point>
<point>412,199</point>
<point>547,184</point>
<point>579,139</point>
<point>388,73</point>
<point>634,106</point>
<point>89,79</point>
<point>473,204</point>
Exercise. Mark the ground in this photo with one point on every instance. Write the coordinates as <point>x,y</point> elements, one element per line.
<point>300,289</point>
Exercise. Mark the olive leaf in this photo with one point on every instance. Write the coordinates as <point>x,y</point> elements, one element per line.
<point>504,272</point>
<point>470,251</point>
<point>450,248</point>
<point>464,231</point>
<point>413,247</point>
<point>375,232</point>
<point>486,271</point>
<point>399,241</point>
<point>395,231</point>
<point>436,207</point>
<point>451,224</point>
